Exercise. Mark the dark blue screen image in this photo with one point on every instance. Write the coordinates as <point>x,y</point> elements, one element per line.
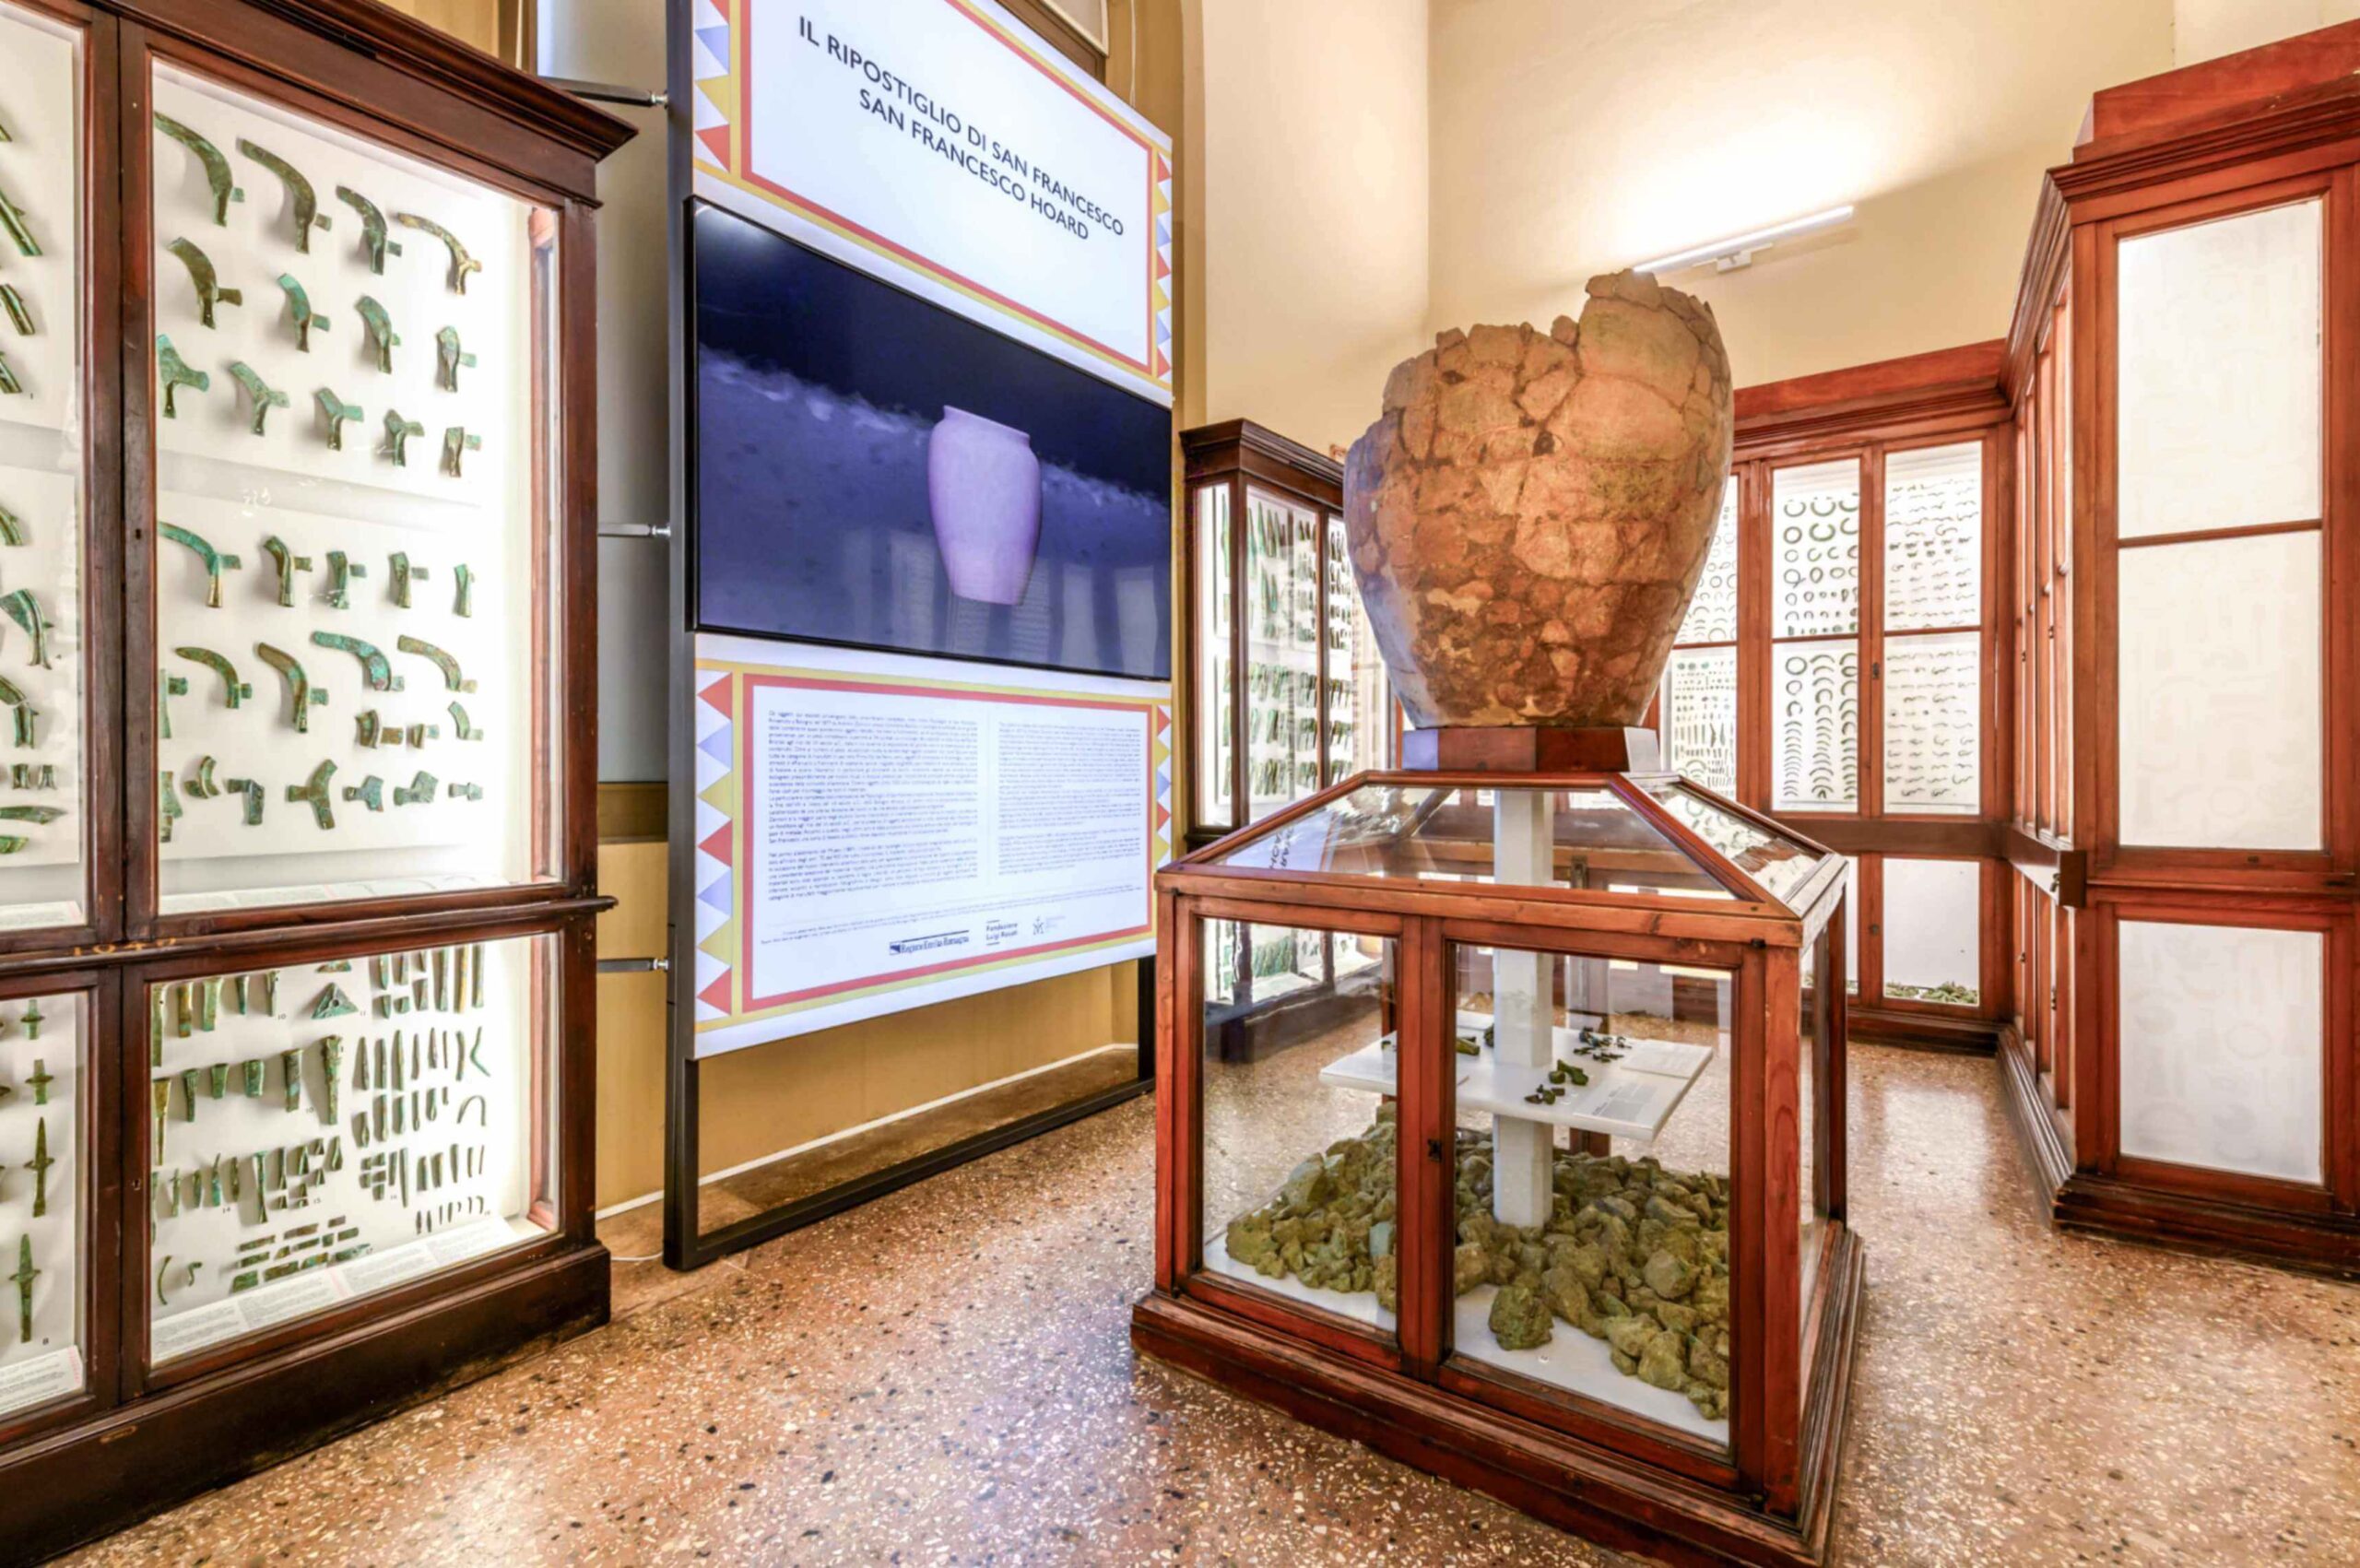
<point>877,471</point>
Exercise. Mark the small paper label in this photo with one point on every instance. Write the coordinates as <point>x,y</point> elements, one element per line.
<point>41,1378</point>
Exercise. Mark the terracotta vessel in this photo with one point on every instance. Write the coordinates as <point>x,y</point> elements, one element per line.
<point>982,485</point>
<point>1529,518</point>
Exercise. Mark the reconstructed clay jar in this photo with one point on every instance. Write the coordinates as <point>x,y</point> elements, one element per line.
<point>1529,518</point>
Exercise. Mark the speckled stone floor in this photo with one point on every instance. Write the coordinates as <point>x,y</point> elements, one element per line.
<point>945,1378</point>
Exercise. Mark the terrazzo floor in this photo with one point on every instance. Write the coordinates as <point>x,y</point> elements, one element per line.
<point>945,1378</point>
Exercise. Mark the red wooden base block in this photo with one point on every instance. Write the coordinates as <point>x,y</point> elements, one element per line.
<point>1530,750</point>
<point>1592,1492</point>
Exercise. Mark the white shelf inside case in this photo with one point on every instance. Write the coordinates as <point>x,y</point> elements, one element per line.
<point>1632,1098</point>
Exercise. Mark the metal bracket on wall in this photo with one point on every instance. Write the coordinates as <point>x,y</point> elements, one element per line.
<point>635,966</point>
<point>608,92</point>
<point>635,530</point>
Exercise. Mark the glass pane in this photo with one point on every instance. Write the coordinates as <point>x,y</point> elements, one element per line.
<point>1815,743</point>
<point>1852,926</point>
<point>1933,538</point>
<point>44,821</point>
<point>320,1131</point>
<point>1934,931</point>
<point>1711,612</point>
<point>1282,652</point>
<point>1593,1220</point>
<point>1360,697</point>
<point>1300,1162</point>
<point>1777,865</point>
<point>1589,838</point>
<point>355,568</point>
<point>1814,1039</point>
<point>45,1044</point>
<point>1700,717</point>
<point>1215,687</point>
<point>2217,332</point>
<point>2222,1035</point>
<point>2219,688</point>
<point>1933,730</point>
<point>1815,549</point>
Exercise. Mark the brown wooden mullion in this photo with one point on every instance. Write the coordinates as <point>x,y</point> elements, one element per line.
<point>1869,800</point>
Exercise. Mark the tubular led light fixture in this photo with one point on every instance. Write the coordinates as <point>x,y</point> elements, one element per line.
<point>1729,254</point>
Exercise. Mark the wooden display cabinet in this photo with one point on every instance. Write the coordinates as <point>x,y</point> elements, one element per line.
<point>2183,1058</point>
<point>1841,665</point>
<point>1285,692</point>
<point>298,868</point>
<point>1556,1210</point>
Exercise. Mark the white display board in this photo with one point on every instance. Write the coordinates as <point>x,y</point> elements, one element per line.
<point>941,144</point>
<point>876,832</point>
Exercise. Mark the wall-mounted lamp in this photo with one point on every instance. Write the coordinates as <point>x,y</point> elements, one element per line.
<point>1727,255</point>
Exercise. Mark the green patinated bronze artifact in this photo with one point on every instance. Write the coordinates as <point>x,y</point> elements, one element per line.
<point>462,264</point>
<point>299,304</point>
<point>315,794</point>
<point>176,372</point>
<point>300,194</point>
<point>372,228</point>
<point>398,433</point>
<point>214,561</point>
<point>301,695</point>
<point>449,666</point>
<point>375,669</point>
<point>265,395</point>
<point>217,167</point>
<point>233,689</point>
<point>206,282</point>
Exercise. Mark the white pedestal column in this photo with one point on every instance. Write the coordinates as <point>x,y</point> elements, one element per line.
<point>1522,846</point>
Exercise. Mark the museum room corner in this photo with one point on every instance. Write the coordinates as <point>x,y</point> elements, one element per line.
<point>1245,782</point>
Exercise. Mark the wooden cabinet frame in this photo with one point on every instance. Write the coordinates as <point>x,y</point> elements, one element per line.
<point>1866,415</point>
<point>2227,137</point>
<point>139,1437</point>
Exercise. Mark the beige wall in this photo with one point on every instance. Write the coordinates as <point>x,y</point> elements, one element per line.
<point>2204,29</point>
<point>1309,120</point>
<point>1570,140</point>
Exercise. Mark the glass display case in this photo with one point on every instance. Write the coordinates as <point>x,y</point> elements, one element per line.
<point>1286,691</point>
<point>321,1132</point>
<point>1569,1164</point>
<point>2182,819</point>
<point>50,662</point>
<point>1839,666</point>
<point>354,555</point>
<point>297,620</point>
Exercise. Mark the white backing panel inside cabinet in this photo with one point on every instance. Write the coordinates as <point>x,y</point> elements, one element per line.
<point>42,815</point>
<point>2223,1028</point>
<point>342,527</point>
<point>350,1130</point>
<point>41,1057</point>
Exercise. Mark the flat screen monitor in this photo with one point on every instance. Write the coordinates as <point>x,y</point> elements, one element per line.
<point>876,471</point>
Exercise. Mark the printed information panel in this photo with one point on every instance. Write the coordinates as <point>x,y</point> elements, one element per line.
<point>940,144</point>
<point>878,832</point>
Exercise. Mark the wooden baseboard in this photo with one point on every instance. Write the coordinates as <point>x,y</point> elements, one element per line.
<point>2044,1143</point>
<point>2094,1204</point>
<point>125,1464</point>
<point>2107,1206</point>
<point>1592,1492</point>
<point>1922,1032</point>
